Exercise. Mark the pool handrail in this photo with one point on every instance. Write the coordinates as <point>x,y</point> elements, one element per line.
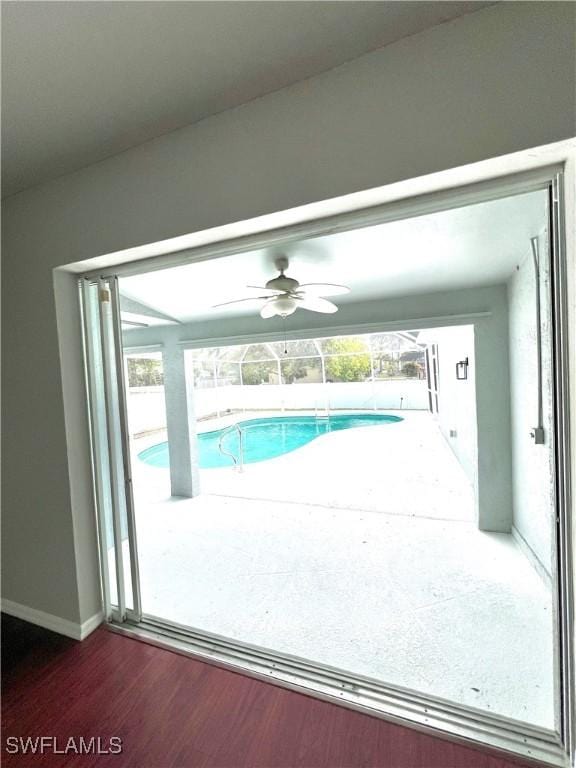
<point>238,462</point>
<point>317,411</point>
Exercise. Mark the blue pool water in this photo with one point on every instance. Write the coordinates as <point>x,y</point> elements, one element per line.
<point>265,438</point>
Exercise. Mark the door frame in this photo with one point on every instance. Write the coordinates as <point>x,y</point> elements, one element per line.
<point>371,696</point>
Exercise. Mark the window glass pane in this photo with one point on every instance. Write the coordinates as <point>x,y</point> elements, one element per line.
<point>228,373</point>
<point>386,365</point>
<point>203,374</point>
<point>396,356</point>
<point>260,372</point>
<point>304,370</point>
<point>413,364</point>
<point>348,368</point>
<point>387,342</point>
<point>145,371</point>
<point>258,352</point>
<point>232,353</point>
<point>299,348</point>
<point>209,353</point>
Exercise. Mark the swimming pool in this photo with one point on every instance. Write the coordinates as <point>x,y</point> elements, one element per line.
<point>264,438</point>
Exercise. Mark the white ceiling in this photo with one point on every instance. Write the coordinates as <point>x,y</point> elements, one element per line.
<point>85,80</point>
<point>471,246</point>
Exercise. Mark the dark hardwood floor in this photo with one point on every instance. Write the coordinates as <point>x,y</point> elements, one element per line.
<point>171,711</point>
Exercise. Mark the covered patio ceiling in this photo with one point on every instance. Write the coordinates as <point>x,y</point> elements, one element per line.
<point>476,245</point>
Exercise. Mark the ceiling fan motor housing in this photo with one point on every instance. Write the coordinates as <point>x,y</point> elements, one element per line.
<point>282,283</point>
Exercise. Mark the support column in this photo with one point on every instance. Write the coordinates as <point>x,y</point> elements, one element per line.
<point>181,423</point>
<point>494,479</point>
<point>373,375</point>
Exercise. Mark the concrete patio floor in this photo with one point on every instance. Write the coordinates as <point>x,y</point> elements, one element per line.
<point>359,551</point>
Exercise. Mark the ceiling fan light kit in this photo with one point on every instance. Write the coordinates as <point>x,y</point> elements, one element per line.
<point>282,305</point>
<point>287,295</point>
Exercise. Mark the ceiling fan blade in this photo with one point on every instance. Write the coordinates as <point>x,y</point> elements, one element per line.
<point>316,304</point>
<point>238,301</point>
<point>268,310</point>
<point>324,289</point>
<point>263,288</point>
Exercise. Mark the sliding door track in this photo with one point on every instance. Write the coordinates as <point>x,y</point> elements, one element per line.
<point>398,705</point>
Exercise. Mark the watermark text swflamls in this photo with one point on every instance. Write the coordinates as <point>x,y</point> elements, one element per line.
<point>73,745</point>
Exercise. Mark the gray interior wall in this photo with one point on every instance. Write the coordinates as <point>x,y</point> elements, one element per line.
<point>39,567</point>
<point>532,464</point>
<point>449,96</point>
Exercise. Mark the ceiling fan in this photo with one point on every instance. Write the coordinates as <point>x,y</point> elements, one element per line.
<point>286,295</point>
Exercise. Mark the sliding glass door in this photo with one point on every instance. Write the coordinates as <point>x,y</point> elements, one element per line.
<point>260,511</point>
<point>111,465</point>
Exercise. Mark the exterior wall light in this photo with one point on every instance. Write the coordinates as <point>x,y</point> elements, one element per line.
<point>462,369</point>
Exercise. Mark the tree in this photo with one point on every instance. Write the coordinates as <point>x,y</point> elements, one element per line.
<point>411,370</point>
<point>295,369</point>
<point>258,372</point>
<point>385,365</point>
<point>352,362</point>
<point>145,372</point>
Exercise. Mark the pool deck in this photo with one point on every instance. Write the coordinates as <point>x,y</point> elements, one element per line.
<point>360,551</point>
<point>403,468</point>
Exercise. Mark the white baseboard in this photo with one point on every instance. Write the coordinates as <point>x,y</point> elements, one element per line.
<point>71,629</point>
<point>88,626</point>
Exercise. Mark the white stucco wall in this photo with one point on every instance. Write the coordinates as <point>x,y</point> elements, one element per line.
<point>455,94</point>
<point>457,398</point>
<point>146,409</point>
<point>532,468</point>
<point>410,394</point>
